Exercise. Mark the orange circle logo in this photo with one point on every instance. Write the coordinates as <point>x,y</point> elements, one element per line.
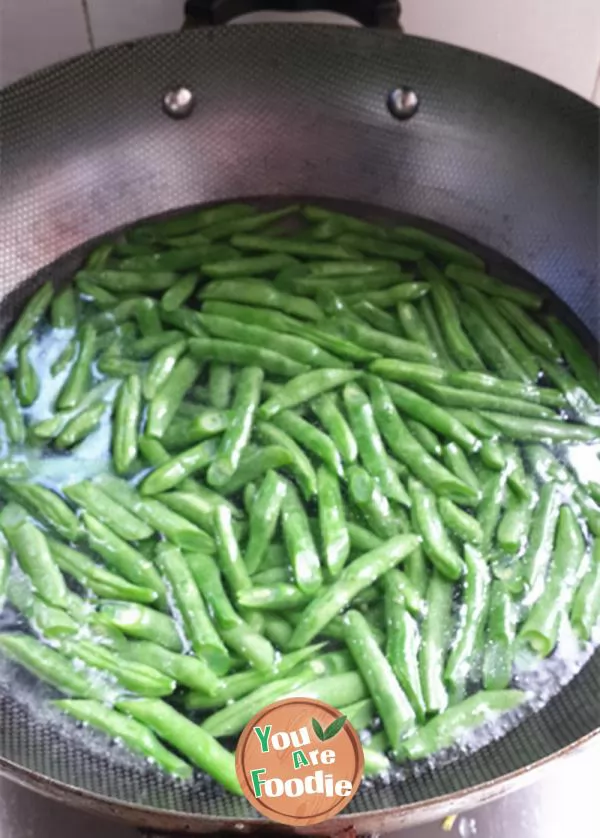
<point>299,761</point>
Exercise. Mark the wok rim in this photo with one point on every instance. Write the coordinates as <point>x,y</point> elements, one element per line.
<point>416,813</point>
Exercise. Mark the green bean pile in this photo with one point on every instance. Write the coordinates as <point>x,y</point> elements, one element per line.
<point>244,460</point>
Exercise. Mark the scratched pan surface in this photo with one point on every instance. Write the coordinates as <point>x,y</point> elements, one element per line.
<point>494,153</point>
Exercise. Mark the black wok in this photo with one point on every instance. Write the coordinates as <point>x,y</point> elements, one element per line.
<point>503,157</point>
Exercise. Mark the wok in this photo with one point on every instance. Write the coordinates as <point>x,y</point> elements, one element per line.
<point>497,154</point>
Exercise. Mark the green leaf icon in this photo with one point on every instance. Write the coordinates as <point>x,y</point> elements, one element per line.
<point>334,728</point>
<point>318,729</point>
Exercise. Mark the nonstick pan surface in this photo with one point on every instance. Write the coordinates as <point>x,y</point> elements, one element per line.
<point>501,156</point>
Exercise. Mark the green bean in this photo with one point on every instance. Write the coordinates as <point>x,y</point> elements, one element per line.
<point>65,358</point>
<point>585,608</point>
<point>136,677</point>
<point>271,576</point>
<point>128,408</point>
<point>361,539</point>
<point>27,381</point>
<point>504,329</point>
<point>393,706</point>
<point>461,664</point>
<point>540,629</point>
<point>199,629</point>
<point>439,247</point>
<point>437,341</point>
<point>431,415</point>
<point>347,222</point>
<point>299,464</point>
<point>382,342</point>
<point>146,347</point>
<point>474,422</point>
<point>148,318</point>
<point>454,723</point>
<point>191,222</point>
<point>436,542</point>
<point>376,317</point>
<point>377,247</point>
<point>205,423</point>
<point>119,555</point>
<point>181,259</point>
<point>363,267</point>
<point>116,366</point>
<point>179,293</point>
<point>390,297</point>
<point>408,372</point>
<point>410,452</point>
<point>135,735</point>
<point>77,382</point>
<point>305,387</point>
<point>165,403</point>
<point>532,334</point>
<point>51,667</point>
<point>371,502</point>
<point>412,324</point>
<point>254,464</point>
<point>425,437</point>
<point>331,418</point>
<point>465,275</point>
<point>220,384</point>
<point>513,529</point>
<point>232,718</point>
<point>435,640</point>
<point>179,467</point>
<point>278,630</point>
<point>192,741</point>
<point>197,508</point>
<point>403,641</point>
<point>459,522</point>
<point>291,346</point>
<point>454,397</point>
<point>91,292</point>
<point>49,621</point>
<point>311,285</point>
<point>511,389</point>
<point>236,633</point>
<point>184,319</point>
<point>353,579</point>
<point>161,367</point>
<point>533,429</point>
<point>237,435</point>
<point>376,763</point>
<point>255,292</point>
<point>370,444</point>
<point>360,714</point>
<point>276,597</point>
<point>457,462</point>
<point>492,455</point>
<point>515,473</point>
<point>33,554</point>
<point>532,569</point>
<point>11,412</point>
<point>264,516</point>
<point>299,543</point>
<point>448,318</point>
<point>501,629</point>
<point>248,266</point>
<point>310,437</point>
<point>242,354</point>
<point>490,507</point>
<point>228,551</point>
<point>575,396</point>
<point>490,347</point>
<point>187,670</point>
<point>293,246</point>
<point>129,282</point>
<point>332,521</point>
<point>99,580</point>
<point>583,367</point>
<point>242,683</point>
<point>48,507</point>
<point>31,314</point>
<point>141,622</point>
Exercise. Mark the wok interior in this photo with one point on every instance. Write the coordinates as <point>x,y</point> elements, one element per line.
<point>39,740</point>
<point>495,153</point>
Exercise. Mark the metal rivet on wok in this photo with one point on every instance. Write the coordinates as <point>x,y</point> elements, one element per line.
<point>178,102</point>
<point>403,102</point>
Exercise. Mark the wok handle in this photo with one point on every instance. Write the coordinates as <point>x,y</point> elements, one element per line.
<point>383,14</point>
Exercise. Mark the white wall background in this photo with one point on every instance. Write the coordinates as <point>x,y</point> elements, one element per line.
<point>555,39</point>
